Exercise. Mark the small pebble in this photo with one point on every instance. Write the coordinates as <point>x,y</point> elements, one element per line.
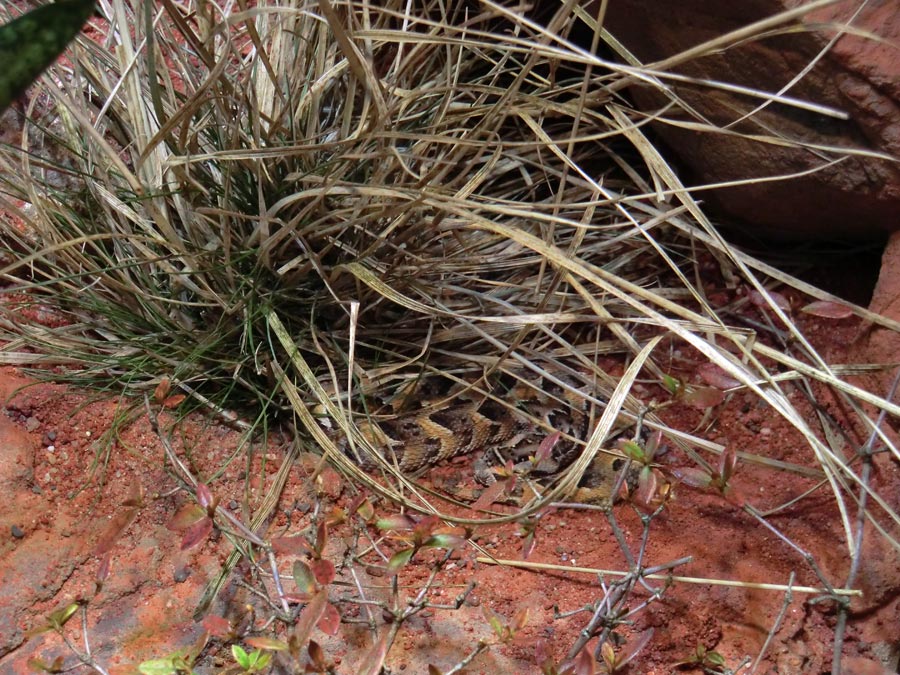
<point>181,574</point>
<point>17,532</point>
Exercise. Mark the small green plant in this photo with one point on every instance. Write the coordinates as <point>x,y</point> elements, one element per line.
<point>506,629</point>
<point>250,662</point>
<point>416,534</point>
<point>702,657</point>
<point>692,395</point>
<point>195,519</point>
<point>614,661</point>
<point>652,486</point>
<point>718,479</point>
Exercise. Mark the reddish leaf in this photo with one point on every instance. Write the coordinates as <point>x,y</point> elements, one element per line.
<point>330,621</point>
<point>490,494</point>
<point>261,642</point>
<point>114,530</point>
<point>321,537</point>
<point>702,397</point>
<point>519,620</point>
<point>162,390</point>
<point>653,444</point>
<point>196,533</point>
<point>828,309</point>
<point>217,626</point>
<point>323,570</point>
<point>774,298</point>
<point>423,529</point>
<point>395,522</point>
<point>633,647</point>
<point>728,463</point>
<point>186,516</point>
<point>309,617</point>
<point>173,402</point>
<point>541,651</point>
<point>647,487</point>
<point>545,450</point>
<point>528,545</point>
<point>585,663</point>
<point>290,545</point>
<point>364,508</point>
<point>697,478</point>
<point>317,655</point>
<point>374,660</point>
<point>204,495</point>
<point>103,570</point>
<point>714,376</point>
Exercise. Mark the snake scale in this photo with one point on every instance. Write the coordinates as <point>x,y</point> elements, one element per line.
<point>510,424</point>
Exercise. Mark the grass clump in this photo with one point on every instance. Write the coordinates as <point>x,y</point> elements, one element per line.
<point>301,207</point>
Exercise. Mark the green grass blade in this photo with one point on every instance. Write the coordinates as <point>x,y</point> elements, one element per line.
<point>29,44</point>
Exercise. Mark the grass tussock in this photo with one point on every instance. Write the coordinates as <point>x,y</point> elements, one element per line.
<point>295,207</point>
<point>407,192</point>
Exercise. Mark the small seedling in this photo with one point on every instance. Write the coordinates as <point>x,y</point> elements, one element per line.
<point>615,662</point>
<point>704,658</point>
<point>250,662</point>
<point>416,534</point>
<point>195,520</point>
<point>718,479</point>
<point>652,486</point>
<point>503,629</point>
<point>701,398</point>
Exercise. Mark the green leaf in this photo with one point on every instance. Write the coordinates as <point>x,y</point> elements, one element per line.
<point>240,656</point>
<point>30,43</point>
<point>444,541</point>
<point>715,659</point>
<point>400,558</point>
<point>395,522</point>
<point>171,665</point>
<point>634,452</point>
<point>261,660</point>
<point>304,578</point>
<point>672,384</point>
<point>59,618</point>
<point>261,642</point>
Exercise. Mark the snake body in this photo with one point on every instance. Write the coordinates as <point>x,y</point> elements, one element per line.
<point>512,422</point>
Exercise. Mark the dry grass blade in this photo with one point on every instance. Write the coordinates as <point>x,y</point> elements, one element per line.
<point>371,197</point>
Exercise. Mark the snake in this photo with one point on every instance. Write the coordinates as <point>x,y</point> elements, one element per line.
<point>508,424</point>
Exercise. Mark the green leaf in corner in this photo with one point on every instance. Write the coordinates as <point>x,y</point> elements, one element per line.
<point>33,41</point>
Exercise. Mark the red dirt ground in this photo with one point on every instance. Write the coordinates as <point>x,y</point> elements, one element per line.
<point>62,492</point>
